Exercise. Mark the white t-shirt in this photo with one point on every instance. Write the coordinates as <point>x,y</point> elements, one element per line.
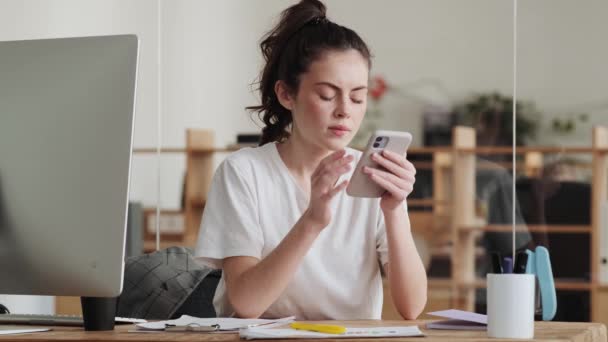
<point>254,202</point>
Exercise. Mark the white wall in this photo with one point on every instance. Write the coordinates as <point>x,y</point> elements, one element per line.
<point>210,55</point>
<point>563,63</point>
<point>33,19</point>
<point>21,304</point>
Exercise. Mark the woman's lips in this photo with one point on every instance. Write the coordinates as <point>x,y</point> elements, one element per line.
<point>339,130</point>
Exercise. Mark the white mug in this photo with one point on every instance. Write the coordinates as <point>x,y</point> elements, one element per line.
<point>510,299</point>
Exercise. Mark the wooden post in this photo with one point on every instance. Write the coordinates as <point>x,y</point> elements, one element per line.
<point>599,190</point>
<point>533,165</point>
<point>463,214</point>
<point>442,164</point>
<point>199,172</point>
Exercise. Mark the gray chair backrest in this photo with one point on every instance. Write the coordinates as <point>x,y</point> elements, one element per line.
<point>156,285</point>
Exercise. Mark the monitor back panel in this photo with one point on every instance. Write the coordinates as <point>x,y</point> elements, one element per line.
<point>66,123</point>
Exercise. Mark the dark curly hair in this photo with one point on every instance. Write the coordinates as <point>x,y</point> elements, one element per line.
<point>302,35</point>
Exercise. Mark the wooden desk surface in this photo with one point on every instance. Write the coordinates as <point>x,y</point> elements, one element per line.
<point>545,331</point>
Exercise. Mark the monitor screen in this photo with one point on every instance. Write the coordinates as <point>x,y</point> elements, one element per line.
<point>66,124</point>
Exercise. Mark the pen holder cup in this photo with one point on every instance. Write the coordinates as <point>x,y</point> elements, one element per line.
<point>510,300</point>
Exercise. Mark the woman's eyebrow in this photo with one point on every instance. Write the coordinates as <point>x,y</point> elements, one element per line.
<point>333,86</point>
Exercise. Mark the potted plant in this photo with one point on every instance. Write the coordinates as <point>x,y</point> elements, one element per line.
<point>491,114</point>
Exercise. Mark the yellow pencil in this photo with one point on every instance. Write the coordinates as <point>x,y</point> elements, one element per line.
<point>322,328</point>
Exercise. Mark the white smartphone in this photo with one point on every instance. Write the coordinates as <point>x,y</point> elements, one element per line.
<point>360,184</point>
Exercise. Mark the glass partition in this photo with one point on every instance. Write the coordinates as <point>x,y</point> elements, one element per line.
<point>561,181</point>
<point>442,70</point>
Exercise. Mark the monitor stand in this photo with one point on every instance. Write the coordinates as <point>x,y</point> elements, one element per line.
<point>98,313</point>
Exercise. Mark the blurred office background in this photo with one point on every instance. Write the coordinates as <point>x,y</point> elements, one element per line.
<point>444,64</point>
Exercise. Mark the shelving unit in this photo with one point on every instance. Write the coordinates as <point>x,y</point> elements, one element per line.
<point>465,232</point>
<point>454,172</point>
<point>199,172</point>
<point>451,223</point>
<point>199,151</point>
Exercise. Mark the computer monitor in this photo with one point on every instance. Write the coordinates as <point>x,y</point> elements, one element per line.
<point>66,127</point>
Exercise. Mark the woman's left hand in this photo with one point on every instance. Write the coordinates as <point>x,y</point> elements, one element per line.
<point>397,179</point>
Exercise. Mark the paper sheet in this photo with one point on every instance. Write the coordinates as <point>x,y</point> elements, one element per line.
<point>458,320</point>
<point>461,315</point>
<point>260,333</point>
<point>226,324</point>
<point>455,324</point>
<point>21,331</point>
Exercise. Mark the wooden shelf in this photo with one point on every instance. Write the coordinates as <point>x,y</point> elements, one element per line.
<point>446,251</point>
<point>507,228</point>
<point>429,149</point>
<point>488,150</point>
<point>497,150</point>
<point>199,151</point>
<point>151,150</point>
<point>420,202</point>
<point>440,283</point>
<point>423,165</point>
<point>575,285</point>
<point>231,148</point>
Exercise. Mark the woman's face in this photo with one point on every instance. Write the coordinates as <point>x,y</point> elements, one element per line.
<point>331,100</point>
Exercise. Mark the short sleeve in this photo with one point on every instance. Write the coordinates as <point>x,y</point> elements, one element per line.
<point>230,224</point>
<point>381,240</point>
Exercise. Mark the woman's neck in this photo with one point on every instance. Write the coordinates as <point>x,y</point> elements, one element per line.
<point>300,156</point>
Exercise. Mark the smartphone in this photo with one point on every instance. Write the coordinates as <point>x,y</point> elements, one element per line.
<point>360,185</point>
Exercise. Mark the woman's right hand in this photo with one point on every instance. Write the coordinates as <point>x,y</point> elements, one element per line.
<point>323,187</point>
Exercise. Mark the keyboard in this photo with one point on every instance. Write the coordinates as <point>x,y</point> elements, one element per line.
<point>65,320</point>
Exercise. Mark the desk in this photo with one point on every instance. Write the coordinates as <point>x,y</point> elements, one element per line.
<point>545,331</point>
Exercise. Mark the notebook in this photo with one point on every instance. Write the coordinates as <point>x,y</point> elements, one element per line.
<point>458,320</point>
<point>222,324</point>
<point>283,333</point>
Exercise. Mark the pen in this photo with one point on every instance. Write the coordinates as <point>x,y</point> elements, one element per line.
<point>322,328</point>
<point>496,263</point>
<point>521,263</point>
<point>507,265</point>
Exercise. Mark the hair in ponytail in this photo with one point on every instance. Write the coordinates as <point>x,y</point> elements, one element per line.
<point>302,35</point>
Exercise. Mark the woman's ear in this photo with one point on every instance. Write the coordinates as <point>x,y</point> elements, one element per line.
<point>283,95</point>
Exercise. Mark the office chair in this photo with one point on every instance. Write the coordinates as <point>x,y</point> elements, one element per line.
<point>200,302</point>
<point>166,284</point>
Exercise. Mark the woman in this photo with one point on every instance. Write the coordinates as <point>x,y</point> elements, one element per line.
<point>278,222</point>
